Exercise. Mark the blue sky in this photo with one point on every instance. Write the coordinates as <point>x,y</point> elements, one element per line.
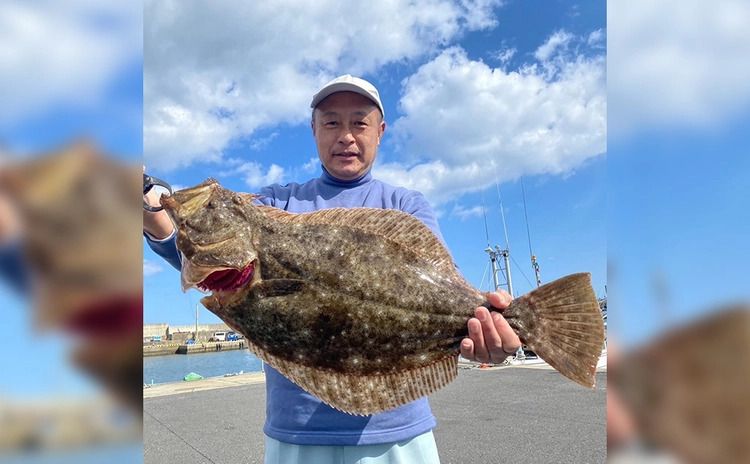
<point>466,94</point>
<point>677,226</point>
<point>678,115</point>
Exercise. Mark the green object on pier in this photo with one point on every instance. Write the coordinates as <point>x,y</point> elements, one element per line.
<point>192,376</point>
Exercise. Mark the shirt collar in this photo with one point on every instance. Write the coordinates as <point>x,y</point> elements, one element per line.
<point>328,179</point>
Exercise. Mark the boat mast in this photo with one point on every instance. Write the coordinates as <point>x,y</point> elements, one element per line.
<point>505,253</point>
<point>503,268</point>
<point>496,252</point>
<point>506,259</point>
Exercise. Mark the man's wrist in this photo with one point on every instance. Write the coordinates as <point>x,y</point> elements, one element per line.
<point>160,237</point>
<point>158,226</point>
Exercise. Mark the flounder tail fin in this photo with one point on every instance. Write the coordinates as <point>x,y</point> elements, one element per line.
<point>562,323</point>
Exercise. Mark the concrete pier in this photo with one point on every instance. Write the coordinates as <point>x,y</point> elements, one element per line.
<point>209,383</point>
<point>523,414</point>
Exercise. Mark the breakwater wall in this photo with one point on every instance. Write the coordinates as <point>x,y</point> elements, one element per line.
<point>159,349</point>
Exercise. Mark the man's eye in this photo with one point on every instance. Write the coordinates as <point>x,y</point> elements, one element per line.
<point>330,123</point>
<point>360,123</point>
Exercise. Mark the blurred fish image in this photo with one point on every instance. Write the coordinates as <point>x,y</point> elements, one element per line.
<point>687,391</point>
<point>79,212</point>
<point>362,307</point>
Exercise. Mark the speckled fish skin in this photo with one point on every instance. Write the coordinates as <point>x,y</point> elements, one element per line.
<point>343,299</point>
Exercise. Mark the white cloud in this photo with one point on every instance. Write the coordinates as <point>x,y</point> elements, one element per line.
<point>477,13</point>
<point>504,55</point>
<point>225,69</point>
<point>311,165</point>
<point>464,213</point>
<point>677,63</point>
<point>263,142</point>
<point>53,53</point>
<point>467,125</point>
<point>254,176</point>
<point>150,268</point>
<point>596,38</point>
<point>556,41</point>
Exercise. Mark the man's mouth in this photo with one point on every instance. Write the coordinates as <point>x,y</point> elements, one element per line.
<point>227,279</point>
<point>346,154</point>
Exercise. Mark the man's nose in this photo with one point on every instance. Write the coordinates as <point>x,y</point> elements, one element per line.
<point>345,136</point>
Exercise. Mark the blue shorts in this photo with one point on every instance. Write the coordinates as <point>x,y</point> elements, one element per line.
<point>419,450</point>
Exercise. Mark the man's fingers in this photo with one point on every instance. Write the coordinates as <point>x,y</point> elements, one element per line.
<point>475,333</point>
<point>492,339</point>
<point>499,299</point>
<point>510,341</point>
<point>152,198</point>
<point>467,349</point>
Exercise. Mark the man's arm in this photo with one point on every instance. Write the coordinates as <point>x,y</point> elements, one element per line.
<point>160,233</point>
<point>157,225</point>
<point>13,267</point>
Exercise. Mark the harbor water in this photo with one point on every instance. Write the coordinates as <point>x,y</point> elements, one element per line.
<point>172,368</point>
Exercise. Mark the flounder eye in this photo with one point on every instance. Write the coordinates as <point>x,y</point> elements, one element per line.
<point>213,204</point>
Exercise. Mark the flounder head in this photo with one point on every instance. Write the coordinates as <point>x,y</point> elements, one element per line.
<point>215,236</point>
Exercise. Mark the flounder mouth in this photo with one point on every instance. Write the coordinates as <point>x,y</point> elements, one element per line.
<point>225,280</point>
<point>208,278</point>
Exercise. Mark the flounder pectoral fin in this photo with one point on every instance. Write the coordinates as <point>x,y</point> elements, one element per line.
<point>262,289</point>
<point>278,287</point>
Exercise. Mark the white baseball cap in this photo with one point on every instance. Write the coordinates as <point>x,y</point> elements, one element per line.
<point>348,83</point>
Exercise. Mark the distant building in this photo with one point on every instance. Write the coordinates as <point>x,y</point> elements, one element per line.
<point>181,333</point>
<point>155,331</point>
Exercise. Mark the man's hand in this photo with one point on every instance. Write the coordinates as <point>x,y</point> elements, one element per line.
<point>491,339</point>
<point>158,225</point>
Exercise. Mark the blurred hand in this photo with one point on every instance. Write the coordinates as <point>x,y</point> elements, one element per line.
<point>621,427</point>
<point>10,224</point>
<point>491,339</point>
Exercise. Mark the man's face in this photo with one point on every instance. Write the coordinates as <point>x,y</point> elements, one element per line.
<point>347,129</point>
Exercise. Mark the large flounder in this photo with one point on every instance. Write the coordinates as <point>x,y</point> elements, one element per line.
<point>361,307</point>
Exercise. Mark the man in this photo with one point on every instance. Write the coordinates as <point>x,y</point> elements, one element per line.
<point>348,125</point>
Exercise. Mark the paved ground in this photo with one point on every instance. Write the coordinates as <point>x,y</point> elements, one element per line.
<point>519,415</point>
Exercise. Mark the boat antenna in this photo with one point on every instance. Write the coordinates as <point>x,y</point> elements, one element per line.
<point>506,252</point>
<point>489,250</point>
<point>484,275</point>
<point>502,214</point>
<point>534,263</point>
<point>486,229</point>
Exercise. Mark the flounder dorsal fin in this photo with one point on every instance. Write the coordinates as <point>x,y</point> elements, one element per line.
<point>400,227</point>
